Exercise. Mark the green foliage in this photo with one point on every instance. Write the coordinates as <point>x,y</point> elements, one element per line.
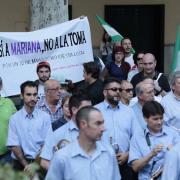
<point>8,173</point>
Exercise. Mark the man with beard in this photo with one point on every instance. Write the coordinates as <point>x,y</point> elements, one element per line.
<point>117,118</point>
<point>44,72</point>
<point>27,129</point>
<point>85,158</point>
<point>127,46</point>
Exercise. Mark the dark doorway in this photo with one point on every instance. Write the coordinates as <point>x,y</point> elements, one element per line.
<point>144,24</point>
<point>70,12</point>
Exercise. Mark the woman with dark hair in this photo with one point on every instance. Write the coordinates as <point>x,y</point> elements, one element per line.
<point>118,68</point>
<point>106,47</point>
<point>66,114</point>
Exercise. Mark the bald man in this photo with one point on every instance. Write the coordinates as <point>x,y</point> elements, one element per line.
<point>51,102</point>
<point>149,65</point>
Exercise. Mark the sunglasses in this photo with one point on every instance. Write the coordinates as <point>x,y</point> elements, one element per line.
<point>139,59</point>
<point>127,90</point>
<point>114,89</point>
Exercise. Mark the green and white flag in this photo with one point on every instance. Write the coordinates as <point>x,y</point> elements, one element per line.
<point>115,36</point>
<point>175,66</point>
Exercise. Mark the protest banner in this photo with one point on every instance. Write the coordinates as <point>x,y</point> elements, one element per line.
<point>65,46</point>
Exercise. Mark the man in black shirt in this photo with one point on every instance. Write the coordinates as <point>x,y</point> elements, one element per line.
<point>91,85</point>
<point>160,81</point>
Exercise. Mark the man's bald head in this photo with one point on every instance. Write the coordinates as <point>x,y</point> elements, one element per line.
<point>149,64</point>
<point>49,84</point>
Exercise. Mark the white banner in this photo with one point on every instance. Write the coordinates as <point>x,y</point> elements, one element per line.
<point>65,46</point>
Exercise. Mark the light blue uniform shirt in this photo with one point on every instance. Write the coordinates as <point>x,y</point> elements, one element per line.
<point>68,131</point>
<point>29,131</point>
<point>121,118</point>
<point>172,110</point>
<point>114,137</point>
<point>72,163</point>
<point>139,148</point>
<point>137,108</point>
<point>171,169</point>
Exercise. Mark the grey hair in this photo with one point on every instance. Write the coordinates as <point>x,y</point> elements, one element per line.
<point>173,77</point>
<point>139,89</point>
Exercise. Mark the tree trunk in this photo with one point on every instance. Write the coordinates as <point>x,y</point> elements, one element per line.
<point>45,13</point>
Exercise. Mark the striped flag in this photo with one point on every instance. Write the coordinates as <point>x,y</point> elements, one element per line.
<point>115,36</point>
<point>176,57</point>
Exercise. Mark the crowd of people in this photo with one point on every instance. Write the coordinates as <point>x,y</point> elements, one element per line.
<point>121,123</point>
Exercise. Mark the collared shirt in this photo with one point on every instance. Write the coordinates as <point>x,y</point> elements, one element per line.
<point>140,147</point>
<point>172,164</point>
<point>172,110</point>
<point>73,163</point>
<point>137,108</point>
<point>43,105</point>
<point>119,124</point>
<point>7,108</point>
<point>60,122</point>
<point>29,131</point>
<point>68,132</point>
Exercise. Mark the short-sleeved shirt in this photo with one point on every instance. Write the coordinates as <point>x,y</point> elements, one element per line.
<point>7,108</point>
<point>68,132</point>
<point>171,106</point>
<point>73,163</point>
<point>137,108</point>
<point>28,131</point>
<point>142,144</point>
<point>120,118</point>
<point>171,168</point>
<point>60,122</point>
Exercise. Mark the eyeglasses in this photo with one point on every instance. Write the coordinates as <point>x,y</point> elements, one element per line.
<point>139,58</point>
<point>114,89</point>
<point>128,90</point>
<point>54,89</point>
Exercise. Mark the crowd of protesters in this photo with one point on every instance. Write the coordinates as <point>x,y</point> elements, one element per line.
<point>119,123</point>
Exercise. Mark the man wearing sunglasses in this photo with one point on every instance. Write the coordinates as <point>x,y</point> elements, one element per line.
<point>139,65</point>
<point>117,118</point>
<point>126,92</point>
